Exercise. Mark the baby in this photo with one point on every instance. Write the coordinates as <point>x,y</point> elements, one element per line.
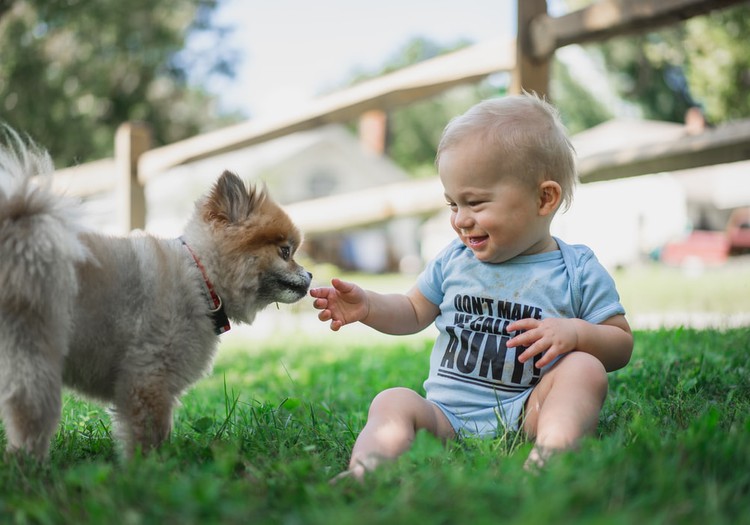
<point>528,325</point>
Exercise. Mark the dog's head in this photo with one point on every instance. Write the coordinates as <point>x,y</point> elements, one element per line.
<point>255,243</point>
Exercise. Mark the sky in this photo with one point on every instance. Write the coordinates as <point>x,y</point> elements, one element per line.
<point>293,50</point>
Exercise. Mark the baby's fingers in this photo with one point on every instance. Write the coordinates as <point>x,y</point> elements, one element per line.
<point>342,286</point>
<point>532,350</point>
<point>550,355</point>
<point>523,324</point>
<point>545,360</point>
<point>527,338</point>
<point>319,292</point>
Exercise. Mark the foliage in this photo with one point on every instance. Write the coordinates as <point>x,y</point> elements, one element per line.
<point>718,64</point>
<point>414,130</point>
<point>702,62</point>
<point>579,108</point>
<point>74,70</point>
<point>259,439</point>
<point>415,50</point>
<point>646,72</point>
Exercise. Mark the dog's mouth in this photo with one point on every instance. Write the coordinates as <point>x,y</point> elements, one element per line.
<point>293,290</point>
<point>300,289</point>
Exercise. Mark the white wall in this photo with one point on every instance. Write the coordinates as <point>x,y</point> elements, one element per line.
<point>624,220</point>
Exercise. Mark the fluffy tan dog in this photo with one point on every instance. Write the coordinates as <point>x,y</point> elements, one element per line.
<point>131,321</point>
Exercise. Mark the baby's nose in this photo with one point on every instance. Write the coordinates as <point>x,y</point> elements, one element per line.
<point>463,218</point>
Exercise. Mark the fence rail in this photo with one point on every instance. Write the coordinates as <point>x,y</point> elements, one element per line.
<point>539,35</point>
<point>727,143</point>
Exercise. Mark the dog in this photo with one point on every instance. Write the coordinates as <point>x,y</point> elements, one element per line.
<point>129,321</point>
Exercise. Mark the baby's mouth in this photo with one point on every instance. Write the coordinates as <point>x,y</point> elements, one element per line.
<point>476,241</point>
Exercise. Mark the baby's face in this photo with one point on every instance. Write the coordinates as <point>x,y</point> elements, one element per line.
<point>494,215</point>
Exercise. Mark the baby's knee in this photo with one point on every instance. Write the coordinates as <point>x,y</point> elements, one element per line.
<point>588,369</point>
<point>393,398</point>
<point>400,404</point>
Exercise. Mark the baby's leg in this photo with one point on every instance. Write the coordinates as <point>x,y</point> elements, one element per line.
<point>565,405</point>
<point>394,418</point>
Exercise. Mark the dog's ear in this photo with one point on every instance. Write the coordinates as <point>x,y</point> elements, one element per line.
<point>230,200</point>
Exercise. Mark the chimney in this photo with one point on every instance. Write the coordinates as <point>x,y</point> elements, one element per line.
<point>373,131</point>
<point>695,121</point>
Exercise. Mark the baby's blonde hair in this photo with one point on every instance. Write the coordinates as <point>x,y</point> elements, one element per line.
<point>526,135</point>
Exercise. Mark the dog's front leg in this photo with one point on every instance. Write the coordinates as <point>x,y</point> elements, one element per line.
<point>143,416</point>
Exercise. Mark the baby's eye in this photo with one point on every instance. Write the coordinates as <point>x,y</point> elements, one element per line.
<point>285,252</point>
<point>452,205</point>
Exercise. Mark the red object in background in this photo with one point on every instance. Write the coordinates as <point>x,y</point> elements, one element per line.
<point>707,247</point>
<point>738,231</point>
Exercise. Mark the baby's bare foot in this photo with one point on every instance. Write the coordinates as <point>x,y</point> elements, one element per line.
<point>357,474</point>
<point>538,458</point>
<point>358,468</point>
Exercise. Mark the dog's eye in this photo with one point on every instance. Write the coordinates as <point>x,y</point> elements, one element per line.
<point>285,252</point>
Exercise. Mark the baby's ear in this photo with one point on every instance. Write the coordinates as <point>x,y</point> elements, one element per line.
<point>550,195</point>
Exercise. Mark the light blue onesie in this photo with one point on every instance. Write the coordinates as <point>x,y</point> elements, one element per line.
<point>476,381</point>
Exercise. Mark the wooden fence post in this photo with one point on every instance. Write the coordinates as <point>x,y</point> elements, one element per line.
<point>132,139</point>
<point>530,73</point>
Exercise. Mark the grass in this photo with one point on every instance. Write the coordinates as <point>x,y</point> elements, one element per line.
<point>657,288</point>
<point>644,289</point>
<point>258,440</point>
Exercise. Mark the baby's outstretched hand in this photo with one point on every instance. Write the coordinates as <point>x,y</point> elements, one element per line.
<point>342,303</point>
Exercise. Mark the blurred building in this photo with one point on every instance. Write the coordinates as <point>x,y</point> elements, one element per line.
<point>326,161</point>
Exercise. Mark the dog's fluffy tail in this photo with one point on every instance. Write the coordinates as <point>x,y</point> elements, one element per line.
<point>39,250</point>
<point>38,229</point>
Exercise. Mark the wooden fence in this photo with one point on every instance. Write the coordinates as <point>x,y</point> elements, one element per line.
<point>539,35</point>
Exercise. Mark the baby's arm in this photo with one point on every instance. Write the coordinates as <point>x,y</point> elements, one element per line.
<point>611,341</point>
<point>398,314</point>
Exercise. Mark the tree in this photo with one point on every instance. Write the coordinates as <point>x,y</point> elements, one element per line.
<point>414,130</point>
<point>579,108</point>
<point>718,62</point>
<point>71,71</point>
<point>646,71</point>
<point>701,62</point>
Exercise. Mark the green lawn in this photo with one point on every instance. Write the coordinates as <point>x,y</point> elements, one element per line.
<point>657,288</point>
<point>644,289</point>
<point>258,440</point>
